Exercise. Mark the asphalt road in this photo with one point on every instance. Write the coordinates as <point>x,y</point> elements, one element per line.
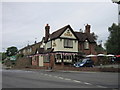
<point>58,79</point>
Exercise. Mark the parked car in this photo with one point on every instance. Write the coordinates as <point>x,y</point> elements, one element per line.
<point>116,59</point>
<point>86,62</point>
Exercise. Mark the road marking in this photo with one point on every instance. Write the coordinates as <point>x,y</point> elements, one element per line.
<point>77,81</point>
<point>87,83</point>
<point>101,86</point>
<point>61,77</point>
<point>67,79</point>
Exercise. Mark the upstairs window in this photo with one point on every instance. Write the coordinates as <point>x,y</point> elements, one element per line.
<point>68,43</point>
<point>86,44</point>
<point>48,45</point>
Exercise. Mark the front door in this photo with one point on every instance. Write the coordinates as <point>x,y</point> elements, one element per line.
<point>40,61</point>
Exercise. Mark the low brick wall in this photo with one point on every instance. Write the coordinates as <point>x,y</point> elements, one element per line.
<point>88,69</point>
<point>23,62</point>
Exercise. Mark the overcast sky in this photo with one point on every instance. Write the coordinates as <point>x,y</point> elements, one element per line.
<point>22,22</point>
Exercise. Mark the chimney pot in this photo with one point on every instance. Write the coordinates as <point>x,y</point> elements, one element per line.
<point>87,28</point>
<point>47,28</point>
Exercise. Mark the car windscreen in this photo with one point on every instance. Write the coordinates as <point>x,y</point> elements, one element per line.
<point>84,60</point>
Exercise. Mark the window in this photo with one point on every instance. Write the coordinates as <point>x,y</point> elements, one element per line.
<point>86,44</point>
<point>67,59</point>
<point>48,45</point>
<point>68,43</point>
<point>46,58</point>
<point>59,56</point>
<point>30,50</point>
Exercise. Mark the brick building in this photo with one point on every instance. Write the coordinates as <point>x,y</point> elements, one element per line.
<point>62,47</point>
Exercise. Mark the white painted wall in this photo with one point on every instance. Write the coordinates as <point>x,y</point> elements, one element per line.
<point>40,61</point>
<point>42,45</point>
<point>60,42</point>
<point>63,35</point>
<point>60,46</point>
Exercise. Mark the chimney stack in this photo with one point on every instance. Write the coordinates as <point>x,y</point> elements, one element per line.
<point>87,28</point>
<point>47,28</point>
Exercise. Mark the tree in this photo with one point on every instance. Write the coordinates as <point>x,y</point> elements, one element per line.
<point>11,51</point>
<point>4,55</point>
<point>94,36</point>
<point>113,43</point>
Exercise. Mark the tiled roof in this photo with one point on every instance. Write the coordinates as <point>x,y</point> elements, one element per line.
<point>28,46</point>
<point>42,51</point>
<point>57,33</point>
<point>80,36</point>
<point>83,36</point>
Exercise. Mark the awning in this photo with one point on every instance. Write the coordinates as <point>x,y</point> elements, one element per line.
<point>91,55</point>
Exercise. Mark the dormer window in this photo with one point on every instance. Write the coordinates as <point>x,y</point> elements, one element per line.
<point>86,44</point>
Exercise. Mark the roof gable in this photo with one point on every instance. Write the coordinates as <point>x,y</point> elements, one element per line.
<point>59,32</point>
<point>68,33</point>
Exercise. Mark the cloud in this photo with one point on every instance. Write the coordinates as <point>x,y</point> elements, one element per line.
<point>23,21</point>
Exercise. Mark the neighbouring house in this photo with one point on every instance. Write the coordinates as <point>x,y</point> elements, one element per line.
<point>86,42</point>
<point>30,50</point>
<point>61,48</point>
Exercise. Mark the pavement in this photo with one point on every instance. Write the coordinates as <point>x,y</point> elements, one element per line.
<point>109,66</point>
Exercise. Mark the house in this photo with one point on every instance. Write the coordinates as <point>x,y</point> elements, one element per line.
<point>61,48</point>
<point>64,46</point>
<point>58,48</point>
<point>30,50</point>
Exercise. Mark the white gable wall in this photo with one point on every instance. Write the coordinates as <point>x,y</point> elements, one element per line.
<point>66,35</point>
<point>60,46</point>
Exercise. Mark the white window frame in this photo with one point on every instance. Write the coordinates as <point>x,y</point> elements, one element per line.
<point>68,43</point>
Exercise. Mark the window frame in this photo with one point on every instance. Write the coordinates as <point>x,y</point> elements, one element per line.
<point>86,45</point>
<point>68,43</point>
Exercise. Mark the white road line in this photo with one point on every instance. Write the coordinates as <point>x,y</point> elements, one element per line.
<point>101,86</point>
<point>67,79</point>
<point>61,77</point>
<point>77,81</point>
<point>87,83</point>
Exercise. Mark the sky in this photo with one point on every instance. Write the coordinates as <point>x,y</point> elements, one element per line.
<point>24,22</point>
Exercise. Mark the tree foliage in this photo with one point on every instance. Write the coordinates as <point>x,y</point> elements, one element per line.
<point>113,42</point>
<point>4,55</point>
<point>11,51</point>
<point>94,36</point>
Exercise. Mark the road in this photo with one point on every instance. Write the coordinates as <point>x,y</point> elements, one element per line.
<point>58,79</point>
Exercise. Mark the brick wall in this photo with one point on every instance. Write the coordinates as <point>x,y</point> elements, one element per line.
<point>87,69</point>
<point>91,49</point>
<point>23,62</point>
<point>35,60</point>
